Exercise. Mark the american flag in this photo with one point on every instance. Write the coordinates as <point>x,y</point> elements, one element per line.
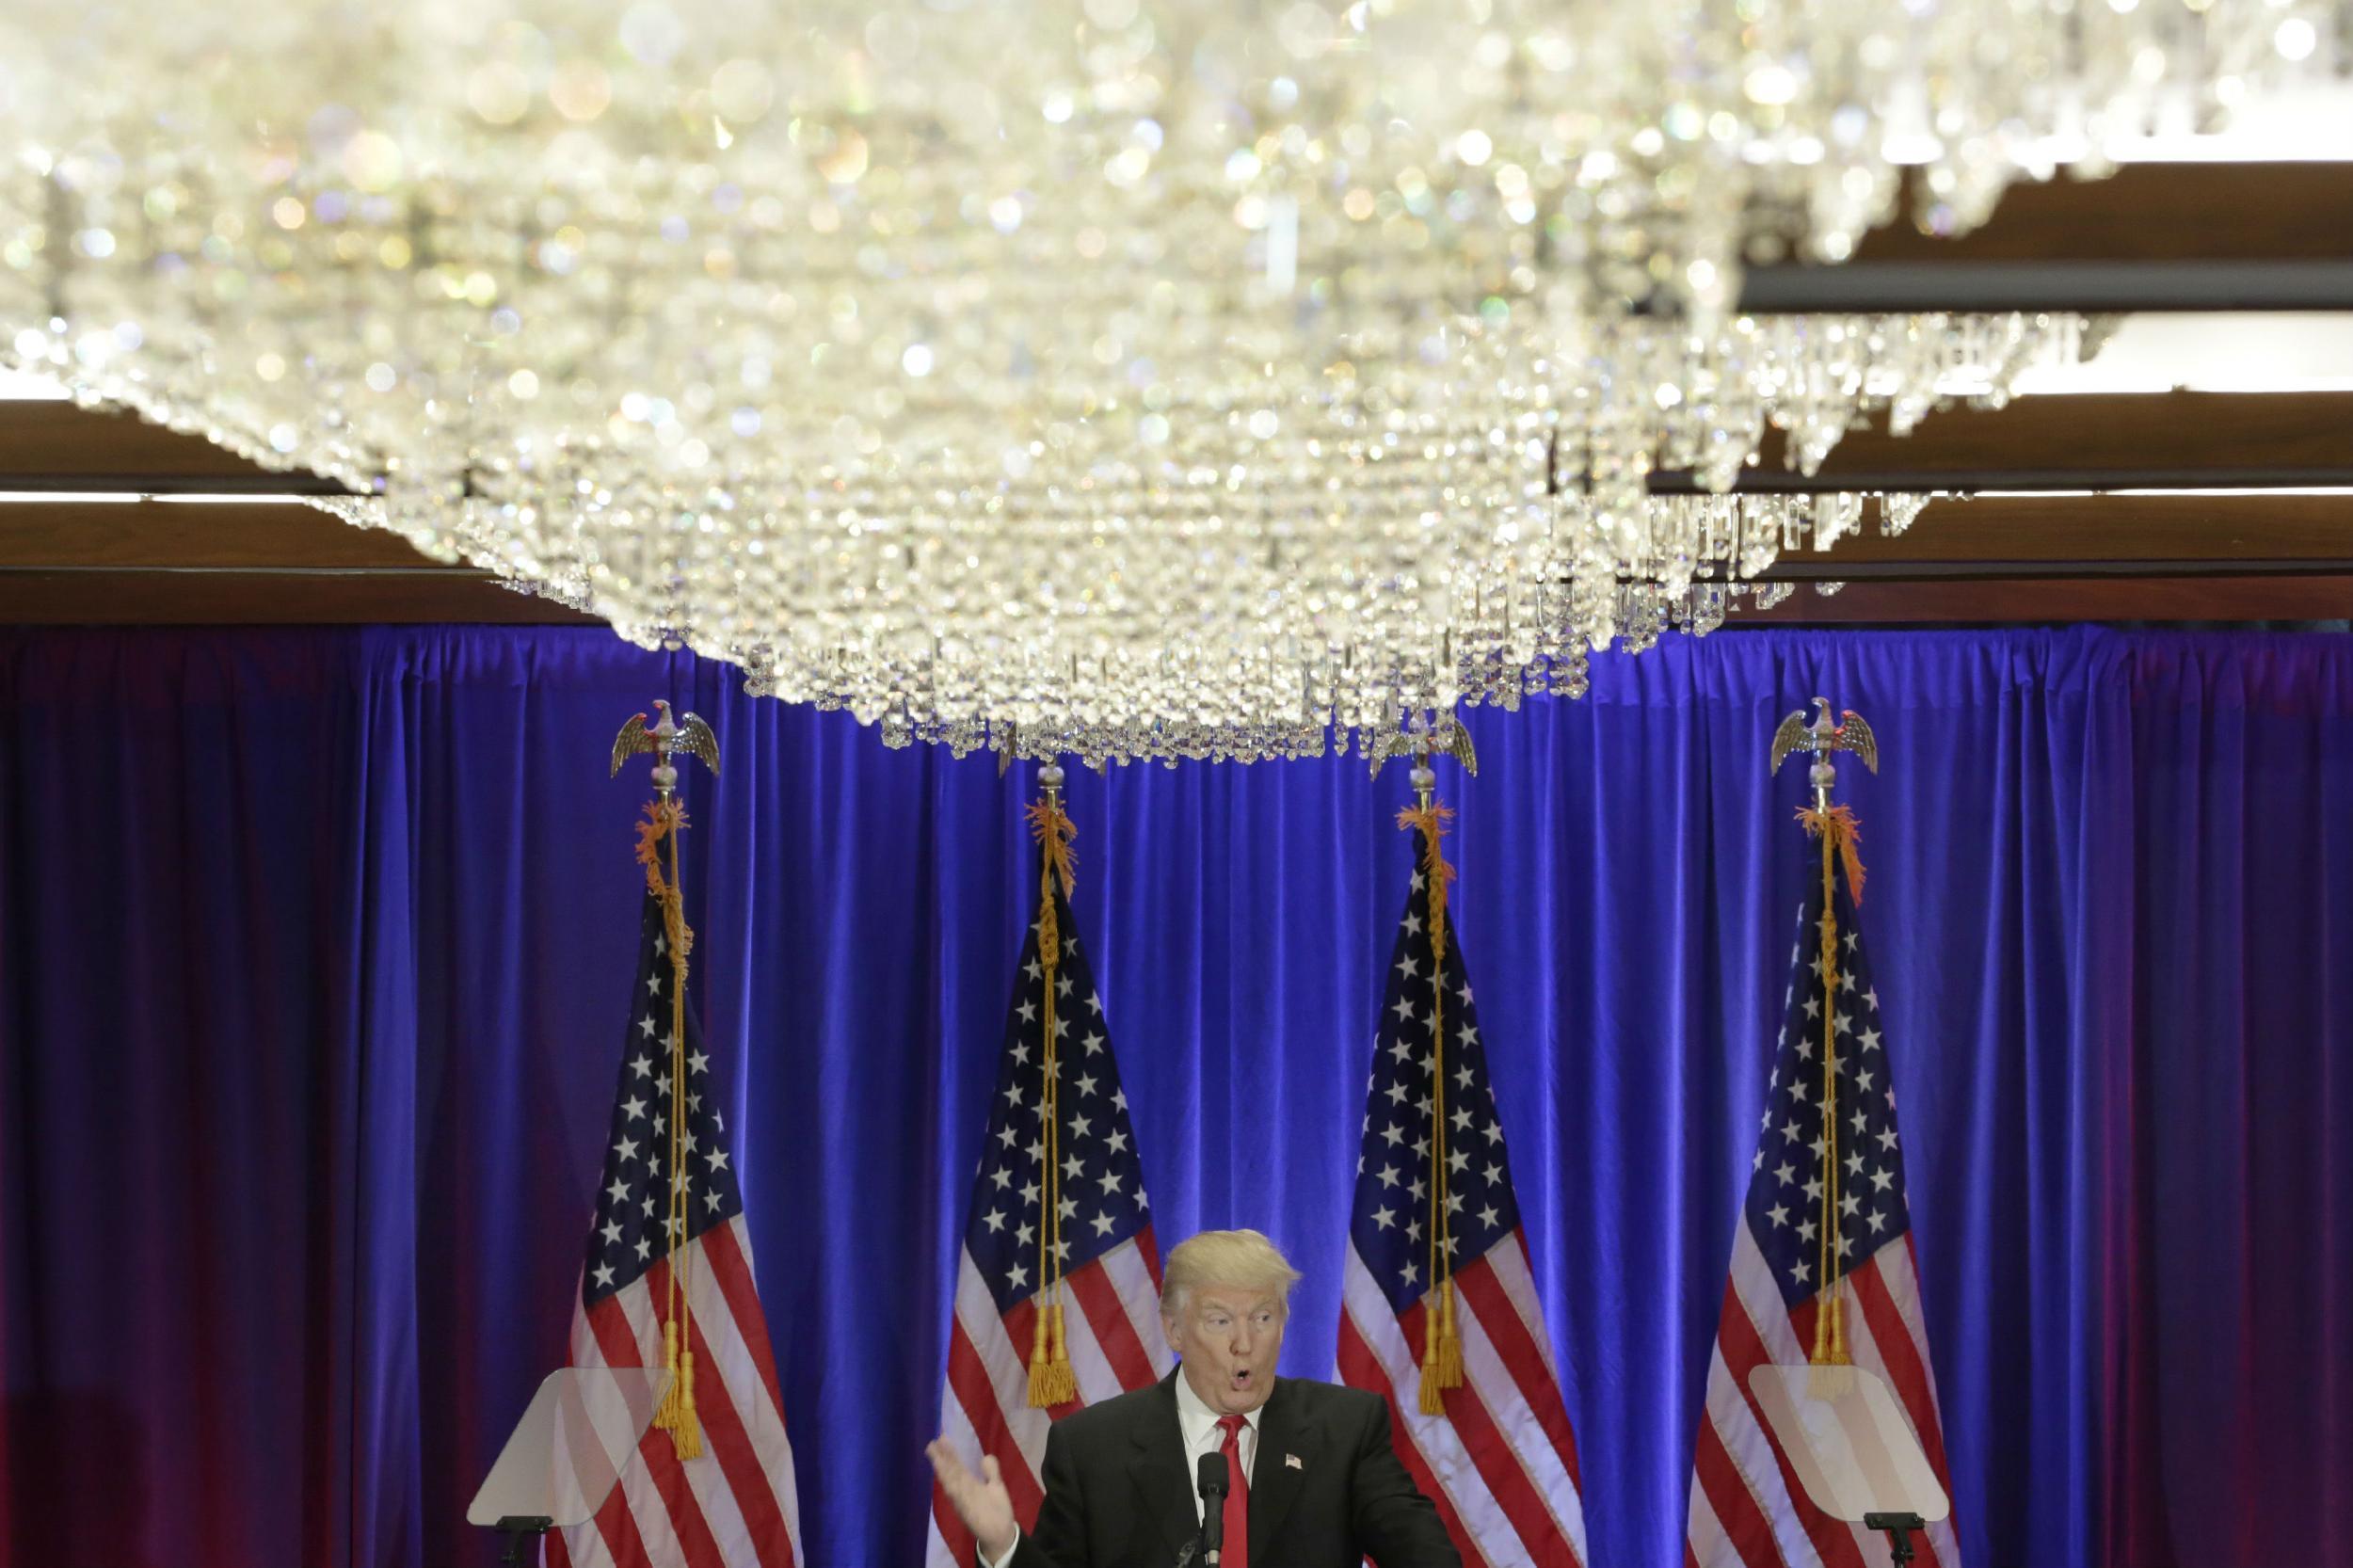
<point>1746,1506</point>
<point>1112,1283</point>
<point>1501,1462</point>
<point>736,1505</point>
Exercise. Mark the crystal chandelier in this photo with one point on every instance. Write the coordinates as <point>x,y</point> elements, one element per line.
<point>1131,380</point>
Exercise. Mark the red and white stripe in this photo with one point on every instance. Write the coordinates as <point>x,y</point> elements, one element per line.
<point>1501,1462</point>
<point>736,1506</point>
<point>1748,1509</point>
<point>1111,1321</point>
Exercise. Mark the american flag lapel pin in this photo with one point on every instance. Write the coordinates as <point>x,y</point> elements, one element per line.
<point>1292,1460</point>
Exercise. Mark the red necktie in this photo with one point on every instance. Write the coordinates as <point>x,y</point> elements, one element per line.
<point>1236,1553</point>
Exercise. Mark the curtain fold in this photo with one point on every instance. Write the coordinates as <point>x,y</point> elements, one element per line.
<point>313,953</point>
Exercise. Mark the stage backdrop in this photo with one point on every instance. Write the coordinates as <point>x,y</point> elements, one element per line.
<point>313,948</point>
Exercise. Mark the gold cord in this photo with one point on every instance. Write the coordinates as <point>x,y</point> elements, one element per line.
<point>1052,1379</point>
<point>1841,839</point>
<point>1441,1345</point>
<point>676,1414</point>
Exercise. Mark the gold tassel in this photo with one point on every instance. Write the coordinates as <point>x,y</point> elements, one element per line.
<point>1065,1376</point>
<point>686,1437</point>
<point>666,1415</point>
<point>1833,1373</point>
<point>1830,1382</point>
<point>1441,1352</point>
<point>1450,1345</point>
<point>1053,1380</point>
<point>1041,1381</point>
<point>1433,1397</point>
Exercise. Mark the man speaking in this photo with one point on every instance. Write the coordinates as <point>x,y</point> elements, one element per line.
<point>1309,1478</point>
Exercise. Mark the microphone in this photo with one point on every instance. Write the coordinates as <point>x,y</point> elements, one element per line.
<point>1213,1480</point>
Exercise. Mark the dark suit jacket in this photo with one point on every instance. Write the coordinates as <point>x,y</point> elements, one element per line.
<point>1119,1492</point>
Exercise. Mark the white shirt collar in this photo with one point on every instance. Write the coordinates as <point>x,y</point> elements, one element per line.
<point>1198,1422</point>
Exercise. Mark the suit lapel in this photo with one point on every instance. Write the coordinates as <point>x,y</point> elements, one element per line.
<point>1274,1481</point>
<point>1162,1483</point>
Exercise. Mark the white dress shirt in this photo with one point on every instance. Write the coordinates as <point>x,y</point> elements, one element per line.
<point>1198,1424</point>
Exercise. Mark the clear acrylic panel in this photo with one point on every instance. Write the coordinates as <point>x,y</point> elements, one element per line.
<point>567,1452</point>
<point>1847,1440</point>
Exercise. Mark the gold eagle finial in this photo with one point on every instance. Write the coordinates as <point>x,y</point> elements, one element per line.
<point>665,738</point>
<point>1821,738</point>
<point>1420,738</point>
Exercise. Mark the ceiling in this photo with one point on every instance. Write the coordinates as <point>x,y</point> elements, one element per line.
<point>2103,496</point>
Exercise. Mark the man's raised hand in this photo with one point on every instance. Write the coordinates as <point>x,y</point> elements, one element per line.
<point>981,1501</point>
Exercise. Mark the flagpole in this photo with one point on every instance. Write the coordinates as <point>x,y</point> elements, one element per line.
<point>1432,1109</point>
<point>1841,837</point>
<point>1052,1379</point>
<point>1441,1345</point>
<point>664,820</point>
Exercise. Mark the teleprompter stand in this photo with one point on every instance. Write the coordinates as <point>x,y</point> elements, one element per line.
<point>517,1530</point>
<point>567,1453</point>
<point>1898,1527</point>
<point>1852,1450</point>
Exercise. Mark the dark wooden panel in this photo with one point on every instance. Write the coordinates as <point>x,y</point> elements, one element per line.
<point>2257,599</point>
<point>2038,530</point>
<point>136,597</point>
<point>53,445</point>
<point>2083,288</point>
<point>1834,570</point>
<point>1986,529</point>
<point>2032,559</point>
<point>176,534</point>
<point>2139,440</point>
<point>2146,213</point>
<point>2121,432</point>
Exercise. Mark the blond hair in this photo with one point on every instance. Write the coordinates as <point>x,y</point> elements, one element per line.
<point>1234,1259</point>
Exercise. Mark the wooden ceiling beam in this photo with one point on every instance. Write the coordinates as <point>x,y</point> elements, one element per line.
<point>2115,434</point>
<point>62,446</point>
<point>2059,602</point>
<point>2154,212</point>
<point>2103,441</point>
<point>2022,532</point>
<point>2005,558</point>
<point>236,534</point>
<point>2150,237</point>
<point>133,596</point>
<point>2085,288</point>
<point>2030,532</point>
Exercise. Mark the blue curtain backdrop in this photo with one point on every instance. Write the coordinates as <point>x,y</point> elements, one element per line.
<point>313,947</point>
